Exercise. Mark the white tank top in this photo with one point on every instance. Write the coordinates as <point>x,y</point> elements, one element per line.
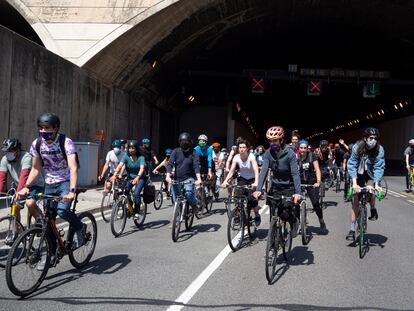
<point>245,168</point>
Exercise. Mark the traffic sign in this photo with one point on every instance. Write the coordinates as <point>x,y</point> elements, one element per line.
<point>314,87</point>
<point>371,90</point>
<point>258,85</point>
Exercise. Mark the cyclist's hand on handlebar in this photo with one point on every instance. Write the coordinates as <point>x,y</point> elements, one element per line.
<point>68,197</point>
<point>197,182</point>
<point>24,192</point>
<point>99,178</point>
<point>378,188</point>
<point>257,194</point>
<point>316,185</point>
<point>224,184</point>
<point>356,188</point>
<point>155,172</point>
<point>296,198</point>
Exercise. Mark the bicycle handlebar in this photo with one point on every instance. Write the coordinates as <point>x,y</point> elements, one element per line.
<point>378,193</point>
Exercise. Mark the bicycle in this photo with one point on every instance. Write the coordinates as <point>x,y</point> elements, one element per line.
<point>304,215</point>
<point>109,199</point>
<point>230,200</point>
<point>182,210</point>
<point>24,274</point>
<point>411,177</point>
<point>123,209</point>
<point>279,236</point>
<point>159,193</point>
<point>203,195</point>
<point>384,185</point>
<point>362,223</point>
<point>240,217</point>
<point>337,182</point>
<point>10,226</point>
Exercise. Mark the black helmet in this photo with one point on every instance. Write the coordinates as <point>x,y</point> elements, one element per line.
<point>371,131</point>
<point>133,143</point>
<point>11,144</point>
<point>184,136</point>
<point>48,119</point>
<point>123,141</point>
<point>324,143</point>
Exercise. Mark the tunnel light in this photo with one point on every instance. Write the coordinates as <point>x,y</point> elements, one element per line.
<point>371,116</point>
<point>401,105</point>
<point>154,64</point>
<point>382,111</point>
<point>238,107</point>
<point>406,103</point>
<point>395,106</point>
<point>191,98</point>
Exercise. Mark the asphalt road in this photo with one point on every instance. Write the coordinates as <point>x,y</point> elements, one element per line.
<point>145,270</point>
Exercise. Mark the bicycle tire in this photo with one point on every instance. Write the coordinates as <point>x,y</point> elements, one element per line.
<point>188,216</point>
<point>303,223</point>
<point>119,213</point>
<point>158,199</point>
<point>251,224</point>
<point>5,230</point>
<point>322,195</point>
<point>235,227</point>
<point>384,185</point>
<point>286,235</point>
<point>88,248</point>
<point>142,213</point>
<point>338,184</point>
<point>361,229</point>
<point>228,204</point>
<point>209,205</point>
<point>31,255</point>
<point>272,249</point>
<point>106,204</point>
<point>176,220</point>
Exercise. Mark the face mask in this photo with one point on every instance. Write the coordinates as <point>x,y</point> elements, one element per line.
<point>275,147</point>
<point>371,144</point>
<point>216,150</point>
<point>117,150</point>
<point>202,145</point>
<point>47,135</point>
<point>10,156</point>
<point>184,146</point>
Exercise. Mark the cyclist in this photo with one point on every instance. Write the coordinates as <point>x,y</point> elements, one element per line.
<point>163,166</point>
<point>325,159</point>
<point>137,170</point>
<point>346,178</point>
<point>17,163</point>
<point>248,174</point>
<point>338,162</point>
<point>409,161</point>
<point>259,155</point>
<point>218,159</point>
<point>366,163</point>
<point>281,159</point>
<point>113,158</point>
<point>294,141</point>
<point>310,174</point>
<point>146,151</point>
<point>187,168</point>
<point>57,154</point>
<point>206,156</point>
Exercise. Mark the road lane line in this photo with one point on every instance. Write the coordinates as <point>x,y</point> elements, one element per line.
<point>411,201</point>
<point>191,290</point>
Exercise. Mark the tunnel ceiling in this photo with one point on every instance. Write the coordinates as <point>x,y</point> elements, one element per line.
<point>233,36</point>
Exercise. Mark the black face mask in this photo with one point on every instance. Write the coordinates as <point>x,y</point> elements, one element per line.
<point>185,146</point>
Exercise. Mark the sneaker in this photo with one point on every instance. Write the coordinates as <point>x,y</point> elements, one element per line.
<point>79,237</point>
<point>11,238</point>
<point>322,225</point>
<point>350,236</point>
<point>137,216</point>
<point>295,228</point>
<point>41,264</point>
<point>257,220</point>
<point>374,214</point>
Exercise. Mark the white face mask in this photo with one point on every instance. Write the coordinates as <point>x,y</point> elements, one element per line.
<point>371,143</point>
<point>117,150</point>
<point>10,156</point>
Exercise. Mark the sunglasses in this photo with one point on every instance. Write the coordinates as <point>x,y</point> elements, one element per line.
<point>372,138</point>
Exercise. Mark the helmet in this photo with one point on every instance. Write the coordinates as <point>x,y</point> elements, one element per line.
<point>203,137</point>
<point>116,143</point>
<point>324,143</point>
<point>371,131</point>
<point>168,151</point>
<point>123,141</point>
<point>133,143</point>
<point>145,140</point>
<point>216,145</point>
<point>48,119</point>
<point>337,146</point>
<point>303,142</point>
<point>275,132</point>
<point>411,142</point>
<point>184,136</point>
<point>11,144</point>
<point>223,150</point>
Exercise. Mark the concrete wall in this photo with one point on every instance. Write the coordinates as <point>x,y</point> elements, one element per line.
<point>34,80</point>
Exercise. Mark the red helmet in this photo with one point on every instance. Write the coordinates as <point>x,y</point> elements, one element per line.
<point>275,132</point>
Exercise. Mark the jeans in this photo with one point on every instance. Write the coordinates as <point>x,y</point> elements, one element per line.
<point>137,193</point>
<point>189,191</point>
<point>219,172</point>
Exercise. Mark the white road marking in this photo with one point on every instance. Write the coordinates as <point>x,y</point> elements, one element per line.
<point>191,290</point>
<point>411,201</point>
<point>396,194</point>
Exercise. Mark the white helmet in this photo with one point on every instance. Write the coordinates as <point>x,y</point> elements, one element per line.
<point>411,142</point>
<point>203,137</point>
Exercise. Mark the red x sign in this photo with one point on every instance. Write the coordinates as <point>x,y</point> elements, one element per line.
<point>314,87</point>
<point>257,85</point>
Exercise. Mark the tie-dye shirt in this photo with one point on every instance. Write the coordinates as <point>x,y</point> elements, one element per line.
<point>55,167</point>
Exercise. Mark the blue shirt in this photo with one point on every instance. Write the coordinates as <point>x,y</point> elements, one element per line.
<point>205,154</point>
<point>373,166</point>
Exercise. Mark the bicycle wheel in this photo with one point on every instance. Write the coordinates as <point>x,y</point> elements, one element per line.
<point>200,195</point>
<point>383,184</point>
<point>176,220</point>
<point>338,183</point>
<point>106,205</point>
<point>10,229</point>
<point>158,199</point>
<point>209,205</point>
<point>251,224</point>
<point>235,229</point>
<point>272,248</point>
<point>188,216</point>
<point>119,216</point>
<point>82,255</point>
<point>304,223</point>
<point>322,195</point>
<point>286,235</point>
<point>142,214</point>
<point>25,274</point>
<point>361,231</point>
<point>228,203</point>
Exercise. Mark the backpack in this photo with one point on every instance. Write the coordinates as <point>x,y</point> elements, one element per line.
<point>149,193</point>
<point>62,138</point>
